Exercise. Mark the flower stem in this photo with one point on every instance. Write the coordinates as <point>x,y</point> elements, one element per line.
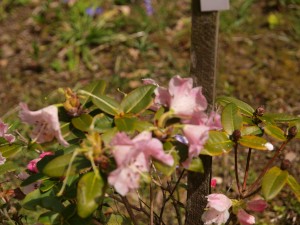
<point>247,170</point>
<point>236,169</point>
<point>256,185</point>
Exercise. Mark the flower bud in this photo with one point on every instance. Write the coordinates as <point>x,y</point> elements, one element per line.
<point>285,164</point>
<point>236,135</point>
<point>72,104</point>
<point>292,132</point>
<point>259,111</point>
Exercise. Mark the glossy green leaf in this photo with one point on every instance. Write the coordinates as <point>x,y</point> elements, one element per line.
<point>102,122</point>
<point>125,123</point>
<point>89,192</point>
<point>294,185</point>
<point>138,100</point>
<point>244,107</point>
<point>82,122</point>
<point>165,169</point>
<point>142,125</point>
<point>108,135</point>
<point>251,130</point>
<point>196,165</point>
<point>96,88</point>
<point>49,218</point>
<point>217,144</point>
<point>47,185</point>
<point>9,150</point>
<point>8,166</point>
<point>273,181</point>
<point>275,132</point>
<point>32,200</point>
<point>254,142</point>
<point>280,117</point>
<point>231,118</point>
<point>106,104</point>
<point>58,166</point>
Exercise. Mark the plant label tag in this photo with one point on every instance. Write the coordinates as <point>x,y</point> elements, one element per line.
<point>214,5</point>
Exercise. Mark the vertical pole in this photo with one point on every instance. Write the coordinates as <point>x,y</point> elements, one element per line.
<point>203,70</point>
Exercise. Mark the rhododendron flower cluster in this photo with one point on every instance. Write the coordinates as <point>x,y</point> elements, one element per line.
<point>45,122</point>
<point>189,104</point>
<point>133,158</point>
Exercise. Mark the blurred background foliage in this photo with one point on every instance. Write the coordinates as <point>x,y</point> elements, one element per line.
<point>49,44</point>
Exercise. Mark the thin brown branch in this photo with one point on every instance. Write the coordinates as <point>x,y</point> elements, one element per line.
<point>247,170</point>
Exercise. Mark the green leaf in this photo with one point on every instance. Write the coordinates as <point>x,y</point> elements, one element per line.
<point>196,165</point>
<point>106,104</point>
<point>125,123</point>
<point>89,192</point>
<point>273,181</point>
<point>281,117</point>
<point>142,125</point>
<point>58,166</point>
<point>251,130</point>
<point>294,185</point>
<point>9,150</point>
<point>32,200</point>
<point>217,144</point>
<point>165,169</point>
<point>8,167</point>
<point>116,219</point>
<point>83,122</point>
<point>96,88</point>
<point>102,122</point>
<point>49,218</point>
<point>244,107</point>
<point>231,118</point>
<point>47,185</point>
<point>138,100</point>
<point>254,142</point>
<point>275,132</point>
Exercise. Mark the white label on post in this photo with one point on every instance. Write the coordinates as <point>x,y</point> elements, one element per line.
<point>214,5</point>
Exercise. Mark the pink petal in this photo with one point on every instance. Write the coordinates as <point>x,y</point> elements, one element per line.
<point>180,85</point>
<point>245,218</point>
<point>42,155</point>
<point>10,138</point>
<point>3,128</point>
<point>213,216</point>
<point>196,135</point>
<point>2,159</point>
<point>46,123</point>
<point>32,165</point>
<point>162,96</point>
<point>155,149</point>
<point>257,205</point>
<point>219,202</point>
<point>214,121</point>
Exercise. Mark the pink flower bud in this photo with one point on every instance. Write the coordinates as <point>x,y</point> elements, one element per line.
<point>257,205</point>
<point>213,182</point>
<point>32,165</point>
<point>245,218</point>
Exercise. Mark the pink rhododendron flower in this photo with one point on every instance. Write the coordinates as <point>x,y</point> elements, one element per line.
<point>45,122</point>
<point>196,135</point>
<point>181,97</point>
<point>2,159</point>
<point>218,206</point>
<point>32,165</point>
<point>257,205</point>
<point>133,159</point>
<point>245,218</point>
<point>3,133</point>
